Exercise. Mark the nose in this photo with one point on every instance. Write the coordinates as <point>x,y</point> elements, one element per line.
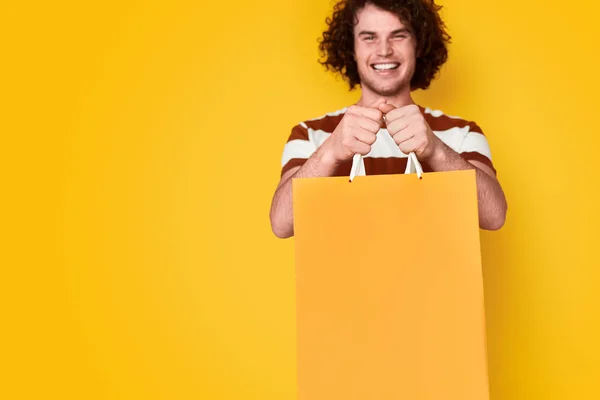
<point>384,48</point>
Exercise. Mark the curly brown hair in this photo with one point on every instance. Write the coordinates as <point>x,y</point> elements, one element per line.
<point>420,17</point>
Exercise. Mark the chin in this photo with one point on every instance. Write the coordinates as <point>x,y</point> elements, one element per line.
<point>388,91</point>
<point>384,87</point>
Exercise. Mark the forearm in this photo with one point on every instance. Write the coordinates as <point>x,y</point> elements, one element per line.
<point>490,196</point>
<point>282,214</point>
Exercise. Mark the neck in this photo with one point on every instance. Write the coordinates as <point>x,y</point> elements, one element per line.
<point>399,100</point>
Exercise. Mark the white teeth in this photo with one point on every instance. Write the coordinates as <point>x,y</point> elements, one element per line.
<point>385,66</point>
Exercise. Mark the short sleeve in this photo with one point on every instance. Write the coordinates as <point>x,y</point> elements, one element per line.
<point>475,147</point>
<point>297,149</point>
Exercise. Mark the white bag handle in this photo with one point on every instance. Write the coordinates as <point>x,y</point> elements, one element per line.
<point>412,166</point>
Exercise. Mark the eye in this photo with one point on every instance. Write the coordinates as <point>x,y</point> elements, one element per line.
<point>369,38</point>
<point>400,36</point>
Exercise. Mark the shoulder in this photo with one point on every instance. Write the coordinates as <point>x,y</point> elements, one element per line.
<point>440,121</point>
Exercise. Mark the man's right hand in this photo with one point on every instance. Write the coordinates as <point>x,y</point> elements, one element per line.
<point>356,132</point>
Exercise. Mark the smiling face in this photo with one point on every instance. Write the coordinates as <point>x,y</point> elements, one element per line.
<point>384,49</point>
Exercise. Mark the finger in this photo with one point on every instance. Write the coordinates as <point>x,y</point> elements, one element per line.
<point>368,124</point>
<point>371,113</point>
<point>410,145</point>
<point>366,137</point>
<point>398,126</point>
<point>377,102</point>
<point>404,135</point>
<point>386,107</point>
<point>361,148</point>
<point>395,114</point>
<point>402,112</point>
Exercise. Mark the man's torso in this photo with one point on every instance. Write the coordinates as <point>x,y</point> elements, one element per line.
<point>464,137</point>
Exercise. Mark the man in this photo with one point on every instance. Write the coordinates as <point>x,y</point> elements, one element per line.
<point>389,48</point>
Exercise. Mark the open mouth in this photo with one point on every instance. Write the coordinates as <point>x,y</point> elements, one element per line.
<point>385,67</point>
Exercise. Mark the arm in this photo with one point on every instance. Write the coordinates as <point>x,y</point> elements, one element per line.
<point>490,196</point>
<point>412,133</point>
<point>282,215</point>
<point>355,134</point>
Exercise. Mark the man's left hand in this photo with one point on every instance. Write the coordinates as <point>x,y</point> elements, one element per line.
<point>410,131</point>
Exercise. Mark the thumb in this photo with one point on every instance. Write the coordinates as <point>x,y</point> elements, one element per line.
<point>377,102</point>
<point>386,107</point>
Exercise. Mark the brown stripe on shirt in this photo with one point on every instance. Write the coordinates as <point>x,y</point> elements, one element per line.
<point>298,133</point>
<point>389,165</point>
<point>444,122</point>
<point>385,165</point>
<point>327,124</point>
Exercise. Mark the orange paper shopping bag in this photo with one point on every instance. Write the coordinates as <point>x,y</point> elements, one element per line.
<point>389,288</point>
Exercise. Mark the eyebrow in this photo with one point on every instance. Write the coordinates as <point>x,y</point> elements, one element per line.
<point>371,33</point>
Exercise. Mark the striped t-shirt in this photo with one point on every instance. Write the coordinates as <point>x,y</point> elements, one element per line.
<point>464,137</point>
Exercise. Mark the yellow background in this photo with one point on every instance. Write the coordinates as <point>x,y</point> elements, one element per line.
<point>140,149</point>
